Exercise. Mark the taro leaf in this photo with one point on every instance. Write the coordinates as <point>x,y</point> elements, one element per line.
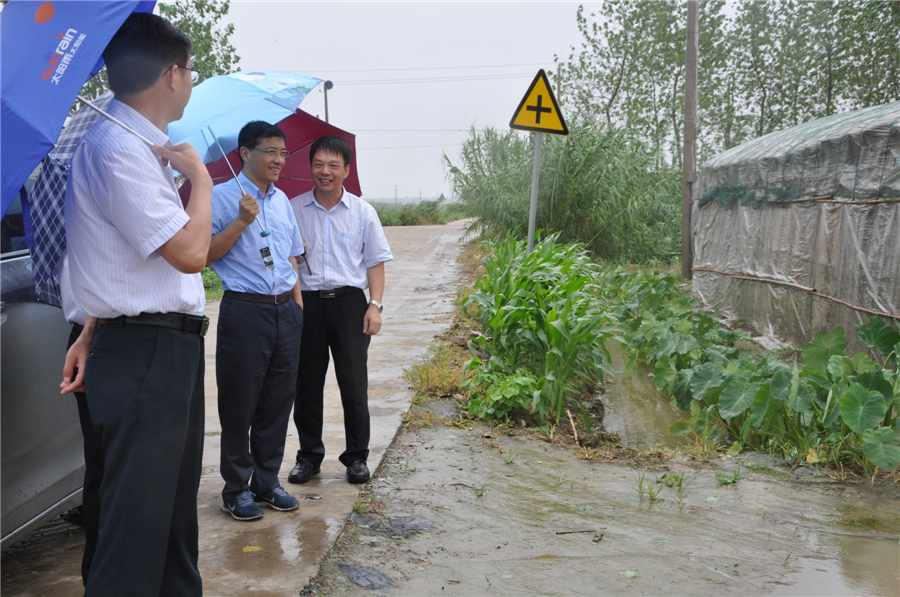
<point>839,367</point>
<point>734,450</point>
<point>682,389</point>
<point>683,326</point>
<point>817,352</point>
<point>737,396</point>
<point>780,386</point>
<point>684,343</point>
<point>862,409</point>
<point>682,427</point>
<point>882,447</point>
<point>705,377</point>
<point>878,335</point>
<point>874,380</point>
<point>663,372</point>
<point>801,402</point>
<point>816,379</point>
<point>760,404</point>
<point>862,363</point>
<point>715,355</point>
<point>699,416</point>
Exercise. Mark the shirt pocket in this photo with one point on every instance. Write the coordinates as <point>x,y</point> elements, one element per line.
<point>350,243</point>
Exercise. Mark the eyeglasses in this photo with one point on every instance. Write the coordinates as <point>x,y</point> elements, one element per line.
<point>195,74</point>
<point>283,154</point>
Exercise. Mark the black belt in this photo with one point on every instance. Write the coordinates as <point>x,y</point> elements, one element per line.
<point>189,324</point>
<point>273,299</point>
<point>335,292</point>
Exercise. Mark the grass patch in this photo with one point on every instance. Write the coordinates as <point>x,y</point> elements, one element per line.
<point>441,373</point>
<point>212,284</point>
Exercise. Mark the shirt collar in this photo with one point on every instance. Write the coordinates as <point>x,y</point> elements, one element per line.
<point>311,198</point>
<point>251,187</point>
<point>138,122</point>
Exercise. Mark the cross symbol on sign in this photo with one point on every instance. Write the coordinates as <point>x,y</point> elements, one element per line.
<point>538,108</point>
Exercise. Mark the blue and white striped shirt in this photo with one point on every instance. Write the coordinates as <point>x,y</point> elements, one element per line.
<point>341,243</point>
<point>121,206</point>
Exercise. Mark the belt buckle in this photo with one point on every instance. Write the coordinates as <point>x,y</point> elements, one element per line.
<point>328,293</point>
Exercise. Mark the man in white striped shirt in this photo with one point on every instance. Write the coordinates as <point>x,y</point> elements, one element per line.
<point>346,250</point>
<point>135,254</point>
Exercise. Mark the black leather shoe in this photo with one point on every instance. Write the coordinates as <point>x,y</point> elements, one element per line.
<point>358,472</point>
<point>303,471</point>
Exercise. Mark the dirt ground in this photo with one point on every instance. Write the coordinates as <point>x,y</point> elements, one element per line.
<point>503,515</point>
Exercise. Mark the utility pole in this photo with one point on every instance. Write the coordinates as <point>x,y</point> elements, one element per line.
<point>395,195</point>
<point>328,85</point>
<point>690,137</point>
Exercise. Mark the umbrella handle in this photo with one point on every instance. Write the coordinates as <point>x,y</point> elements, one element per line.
<point>117,121</point>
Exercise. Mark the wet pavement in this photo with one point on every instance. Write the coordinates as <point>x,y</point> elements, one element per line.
<point>278,554</point>
<point>521,516</point>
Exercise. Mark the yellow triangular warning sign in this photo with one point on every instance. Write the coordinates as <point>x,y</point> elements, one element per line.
<point>538,110</point>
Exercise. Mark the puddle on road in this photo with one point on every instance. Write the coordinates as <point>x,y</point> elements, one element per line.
<point>635,409</point>
<point>868,567</point>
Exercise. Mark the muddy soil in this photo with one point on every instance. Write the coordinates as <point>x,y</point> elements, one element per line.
<point>521,516</point>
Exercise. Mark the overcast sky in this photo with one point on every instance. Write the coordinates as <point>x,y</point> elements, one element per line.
<point>409,77</point>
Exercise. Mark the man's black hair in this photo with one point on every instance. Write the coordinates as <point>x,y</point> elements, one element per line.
<point>335,145</point>
<point>141,51</point>
<point>256,131</point>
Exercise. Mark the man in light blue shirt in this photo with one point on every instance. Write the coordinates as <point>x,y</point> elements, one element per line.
<point>347,253</point>
<point>254,248</point>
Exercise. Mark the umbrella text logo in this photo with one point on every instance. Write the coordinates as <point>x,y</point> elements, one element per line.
<point>62,57</point>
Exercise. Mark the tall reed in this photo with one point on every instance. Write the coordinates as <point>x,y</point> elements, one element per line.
<point>599,187</point>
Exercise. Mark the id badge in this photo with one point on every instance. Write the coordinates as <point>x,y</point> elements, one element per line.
<point>267,257</point>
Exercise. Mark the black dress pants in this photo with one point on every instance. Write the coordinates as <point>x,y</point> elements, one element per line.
<point>144,387</point>
<point>334,323</point>
<point>257,348</point>
<point>93,473</point>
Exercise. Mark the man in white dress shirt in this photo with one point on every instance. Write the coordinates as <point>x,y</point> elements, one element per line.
<point>135,254</point>
<point>346,249</point>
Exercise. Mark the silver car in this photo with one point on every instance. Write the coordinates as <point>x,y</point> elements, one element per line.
<point>42,469</point>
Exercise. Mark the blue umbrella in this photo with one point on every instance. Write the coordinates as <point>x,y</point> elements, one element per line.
<point>48,50</point>
<point>220,106</point>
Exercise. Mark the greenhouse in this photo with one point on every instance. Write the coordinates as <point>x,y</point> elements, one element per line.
<point>798,231</point>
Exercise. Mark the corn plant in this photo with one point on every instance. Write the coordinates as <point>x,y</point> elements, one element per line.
<point>541,314</point>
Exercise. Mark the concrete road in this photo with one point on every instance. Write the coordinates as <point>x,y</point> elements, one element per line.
<point>278,554</point>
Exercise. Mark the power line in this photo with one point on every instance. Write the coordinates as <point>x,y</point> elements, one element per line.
<point>407,146</point>
<point>386,70</point>
<point>434,79</point>
<point>355,130</point>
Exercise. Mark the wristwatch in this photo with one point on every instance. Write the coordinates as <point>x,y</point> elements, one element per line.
<point>377,304</point>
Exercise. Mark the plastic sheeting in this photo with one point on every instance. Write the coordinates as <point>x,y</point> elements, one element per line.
<point>797,218</point>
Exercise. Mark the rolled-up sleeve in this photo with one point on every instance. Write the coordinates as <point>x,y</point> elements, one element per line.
<point>140,204</point>
<point>375,246</point>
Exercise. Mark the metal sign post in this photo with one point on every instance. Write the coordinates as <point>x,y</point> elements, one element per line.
<point>535,179</point>
<point>539,113</point>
